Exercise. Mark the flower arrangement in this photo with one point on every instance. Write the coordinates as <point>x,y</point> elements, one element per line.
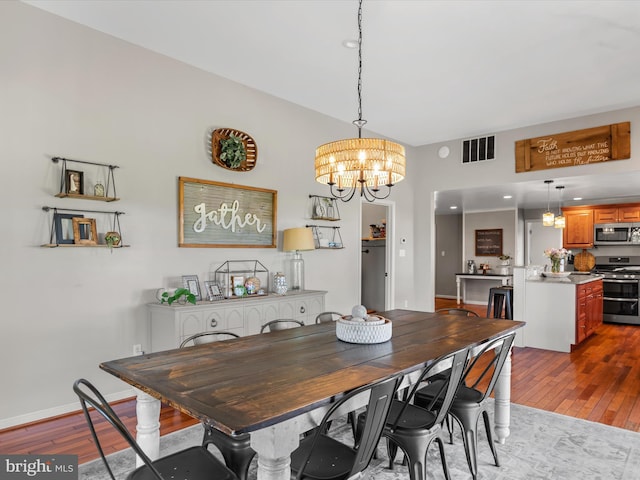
<point>556,255</point>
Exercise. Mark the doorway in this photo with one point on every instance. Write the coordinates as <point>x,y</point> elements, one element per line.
<point>539,238</point>
<point>376,259</point>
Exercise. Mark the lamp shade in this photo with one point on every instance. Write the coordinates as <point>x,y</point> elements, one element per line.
<point>296,239</point>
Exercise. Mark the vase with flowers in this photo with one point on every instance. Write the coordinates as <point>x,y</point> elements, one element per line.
<point>556,255</point>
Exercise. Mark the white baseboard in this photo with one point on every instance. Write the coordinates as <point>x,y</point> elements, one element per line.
<point>59,410</point>
<point>445,296</point>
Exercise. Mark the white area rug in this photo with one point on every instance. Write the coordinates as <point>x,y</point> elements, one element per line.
<point>542,445</point>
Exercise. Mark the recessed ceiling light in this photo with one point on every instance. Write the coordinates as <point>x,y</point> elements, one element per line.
<point>506,197</point>
<point>577,198</point>
<point>350,43</point>
<point>453,207</point>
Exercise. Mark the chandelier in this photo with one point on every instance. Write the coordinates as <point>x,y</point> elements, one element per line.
<point>360,164</point>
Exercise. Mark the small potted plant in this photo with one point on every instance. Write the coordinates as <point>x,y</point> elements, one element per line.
<point>232,151</point>
<point>505,259</point>
<point>177,296</point>
<point>112,239</point>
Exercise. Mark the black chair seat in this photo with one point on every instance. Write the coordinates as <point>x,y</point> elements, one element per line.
<point>331,459</point>
<point>413,417</point>
<point>192,463</point>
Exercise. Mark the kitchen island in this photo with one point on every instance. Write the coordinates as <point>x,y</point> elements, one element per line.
<point>560,312</point>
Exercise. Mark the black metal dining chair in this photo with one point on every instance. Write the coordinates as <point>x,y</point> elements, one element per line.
<point>193,463</point>
<point>281,324</point>
<point>327,317</point>
<point>235,449</point>
<point>414,428</point>
<point>470,403</point>
<point>208,337</point>
<point>458,311</point>
<point>321,457</point>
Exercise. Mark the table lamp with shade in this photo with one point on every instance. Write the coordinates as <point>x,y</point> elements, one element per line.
<point>296,240</point>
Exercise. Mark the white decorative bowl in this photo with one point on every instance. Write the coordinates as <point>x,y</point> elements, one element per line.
<point>371,331</point>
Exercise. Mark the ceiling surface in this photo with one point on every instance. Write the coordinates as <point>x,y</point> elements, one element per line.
<point>432,70</point>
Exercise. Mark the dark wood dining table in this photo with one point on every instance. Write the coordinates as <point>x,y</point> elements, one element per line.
<point>277,385</point>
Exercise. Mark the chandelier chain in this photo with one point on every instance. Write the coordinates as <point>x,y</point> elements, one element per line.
<point>360,121</point>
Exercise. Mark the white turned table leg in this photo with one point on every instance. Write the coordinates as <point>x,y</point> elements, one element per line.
<point>502,394</point>
<point>148,427</point>
<point>458,290</point>
<point>274,446</point>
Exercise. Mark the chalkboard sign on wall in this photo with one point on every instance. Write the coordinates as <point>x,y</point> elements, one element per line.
<point>489,242</point>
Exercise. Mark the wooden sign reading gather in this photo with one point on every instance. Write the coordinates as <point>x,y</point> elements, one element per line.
<point>214,214</point>
<point>580,147</point>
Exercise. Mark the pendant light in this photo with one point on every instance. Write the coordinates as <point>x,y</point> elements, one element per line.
<point>559,221</point>
<point>360,164</point>
<point>548,216</point>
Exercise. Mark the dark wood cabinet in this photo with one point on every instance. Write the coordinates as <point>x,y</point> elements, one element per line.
<point>578,231</point>
<point>588,309</point>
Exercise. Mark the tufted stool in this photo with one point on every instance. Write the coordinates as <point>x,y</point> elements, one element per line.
<point>500,297</point>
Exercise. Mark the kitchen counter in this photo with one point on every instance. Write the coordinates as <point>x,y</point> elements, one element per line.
<point>575,279</point>
<point>551,309</point>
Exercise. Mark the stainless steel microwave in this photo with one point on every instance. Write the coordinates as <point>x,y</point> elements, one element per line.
<point>616,234</point>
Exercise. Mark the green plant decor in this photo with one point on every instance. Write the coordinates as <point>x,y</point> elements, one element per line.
<point>233,151</point>
<point>112,239</point>
<point>190,297</point>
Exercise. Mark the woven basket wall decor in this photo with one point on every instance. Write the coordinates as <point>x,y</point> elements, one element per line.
<point>249,145</point>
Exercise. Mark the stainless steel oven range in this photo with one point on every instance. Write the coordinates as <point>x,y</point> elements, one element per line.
<point>620,288</point>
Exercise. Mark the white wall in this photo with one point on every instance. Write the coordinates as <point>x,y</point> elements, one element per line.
<point>69,91</point>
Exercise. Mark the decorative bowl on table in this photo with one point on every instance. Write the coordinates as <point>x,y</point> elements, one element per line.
<point>556,274</point>
<point>375,329</point>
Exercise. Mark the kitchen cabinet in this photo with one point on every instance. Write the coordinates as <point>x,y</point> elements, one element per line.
<point>171,324</point>
<point>617,214</point>
<point>588,309</point>
<point>578,231</point>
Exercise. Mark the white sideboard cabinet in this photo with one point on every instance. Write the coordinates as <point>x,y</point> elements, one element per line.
<point>170,325</point>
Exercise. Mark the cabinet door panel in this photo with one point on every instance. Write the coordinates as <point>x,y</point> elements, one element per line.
<point>578,231</point>
<point>605,215</point>
<point>629,214</point>
<point>190,323</point>
<point>215,320</point>
<point>253,318</point>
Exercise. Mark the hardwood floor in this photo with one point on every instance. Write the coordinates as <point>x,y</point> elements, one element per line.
<point>599,381</point>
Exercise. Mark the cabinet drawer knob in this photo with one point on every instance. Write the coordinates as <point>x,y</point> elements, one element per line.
<point>302,310</point>
<point>214,323</point>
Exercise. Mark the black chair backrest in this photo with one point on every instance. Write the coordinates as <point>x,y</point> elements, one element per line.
<point>493,367</point>
<point>458,311</point>
<point>90,397</point>
<point>380,399</point>
<point>455,363</point>
<point>326,317</point>
<point>281,324</point>
<point>208,337</point>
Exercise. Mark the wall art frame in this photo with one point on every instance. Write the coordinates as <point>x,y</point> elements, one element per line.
<point>222,215</point>
<point>489,242</point>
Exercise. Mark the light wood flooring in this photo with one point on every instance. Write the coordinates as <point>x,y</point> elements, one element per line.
<point>599,381</point>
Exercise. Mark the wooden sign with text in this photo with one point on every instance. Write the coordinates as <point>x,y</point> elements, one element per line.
<point>569,149</point>
<point>214,214</point>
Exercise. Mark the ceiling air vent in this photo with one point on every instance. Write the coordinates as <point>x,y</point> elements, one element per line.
<point>478,149</point>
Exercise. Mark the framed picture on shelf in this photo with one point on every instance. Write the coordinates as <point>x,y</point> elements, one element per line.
<point>84,231</point>
<point>63,224</point>
<point>191,283</point>
<point>214,292</point>
<point>74,182</point>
